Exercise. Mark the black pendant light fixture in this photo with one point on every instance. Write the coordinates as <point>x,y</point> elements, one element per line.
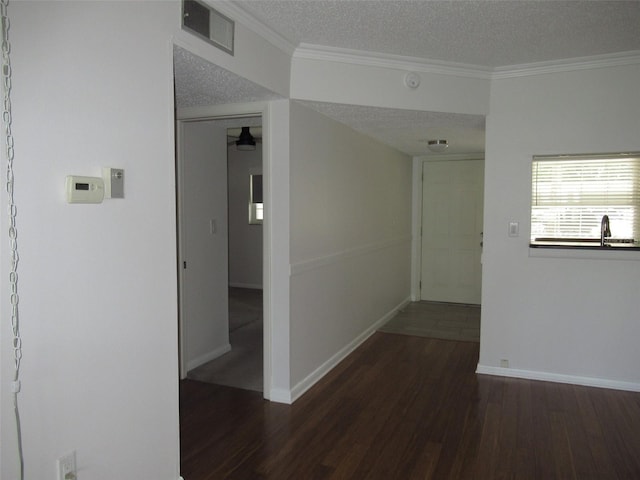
<point>245,141</point>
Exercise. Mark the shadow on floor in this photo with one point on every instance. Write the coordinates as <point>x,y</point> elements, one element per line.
<point>242,366</point>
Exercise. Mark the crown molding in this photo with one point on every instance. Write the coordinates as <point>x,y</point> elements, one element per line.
<point>568,65</point>
<point>373,59</point>
<point>400,62</point>
<point>238,14</point>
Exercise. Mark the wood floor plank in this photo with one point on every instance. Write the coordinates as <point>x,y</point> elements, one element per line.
<point>584,465</point>
<point>564,460</point>
<point>349,461</point>
<point>404,407</point>
<point>488,450</point>
<point>593,433</point>
<point>541,433</point>
<point>620,428</point>
<point>426,463</point>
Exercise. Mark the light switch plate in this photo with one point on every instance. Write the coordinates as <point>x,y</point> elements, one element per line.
<point>514,229</point>
<point>113,182</point>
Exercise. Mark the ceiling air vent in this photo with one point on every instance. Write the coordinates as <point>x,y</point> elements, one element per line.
<point>208,24</point>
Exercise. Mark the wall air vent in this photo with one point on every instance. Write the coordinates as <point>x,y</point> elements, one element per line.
<point>208,24</point>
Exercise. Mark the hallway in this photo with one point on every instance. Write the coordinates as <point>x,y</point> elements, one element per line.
<point>446,321</point>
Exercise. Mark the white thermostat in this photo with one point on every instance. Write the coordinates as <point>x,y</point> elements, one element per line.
<point>84,189</point>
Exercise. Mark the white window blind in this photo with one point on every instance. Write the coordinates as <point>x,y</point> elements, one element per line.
<point>570,194</point>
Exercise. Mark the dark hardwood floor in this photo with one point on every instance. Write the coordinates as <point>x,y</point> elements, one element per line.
<point>404,407</point>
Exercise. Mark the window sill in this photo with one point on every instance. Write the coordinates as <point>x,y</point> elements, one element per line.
<point>588,250</point>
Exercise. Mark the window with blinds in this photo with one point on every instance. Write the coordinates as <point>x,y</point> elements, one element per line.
<point>571,193</point>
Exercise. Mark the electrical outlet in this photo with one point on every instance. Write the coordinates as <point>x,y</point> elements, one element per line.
<point>67,467</point>
<point>504,363</point>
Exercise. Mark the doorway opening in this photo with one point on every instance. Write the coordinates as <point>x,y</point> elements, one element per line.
<point>235,353</point>
<point>242,366</point>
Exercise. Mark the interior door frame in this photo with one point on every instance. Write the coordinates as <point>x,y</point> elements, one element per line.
<point>416,200</point>
<point>240,110</point>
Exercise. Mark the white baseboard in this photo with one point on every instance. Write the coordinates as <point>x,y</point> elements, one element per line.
<point>207,357</point>
<point>253,286</point>
<point>298,390</point>
<point>280,395</point>
<point>559,378</point>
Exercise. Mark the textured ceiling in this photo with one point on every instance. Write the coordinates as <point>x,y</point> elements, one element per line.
<point>484,33</point>
<point>487,33</point>
<point>409,130</point>
<point>198,82</point>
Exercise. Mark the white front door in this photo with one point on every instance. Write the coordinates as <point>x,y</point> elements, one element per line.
<point>452,201</point>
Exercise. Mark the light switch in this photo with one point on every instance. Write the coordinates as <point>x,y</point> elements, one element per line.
<point>514,229</point>
<point>113,182</point>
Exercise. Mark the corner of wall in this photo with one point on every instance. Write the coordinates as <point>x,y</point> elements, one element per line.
<point>207,357</point>
<point>305,384</point>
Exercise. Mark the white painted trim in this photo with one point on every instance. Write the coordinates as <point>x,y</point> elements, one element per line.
<point>559,378</point>
<point>568,65</point>
<point>416,228</point>
<point>280,395</point>
<point>207,357</point>
<point>338,257</point>
<point>182,327</point>
<point>271,260</point>
<point>250,109</point>
<point>399,62</point>
<point>171,127</point>
<point>305,384</point>
<point>235,110</point>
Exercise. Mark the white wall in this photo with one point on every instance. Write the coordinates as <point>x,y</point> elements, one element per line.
<point>361,81</point>
<point>350,239</point>
<point>93,87</point>
<point>245,241</point>
<point>570,317</point>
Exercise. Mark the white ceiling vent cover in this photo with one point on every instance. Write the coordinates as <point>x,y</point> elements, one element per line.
<point>208,24</point>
